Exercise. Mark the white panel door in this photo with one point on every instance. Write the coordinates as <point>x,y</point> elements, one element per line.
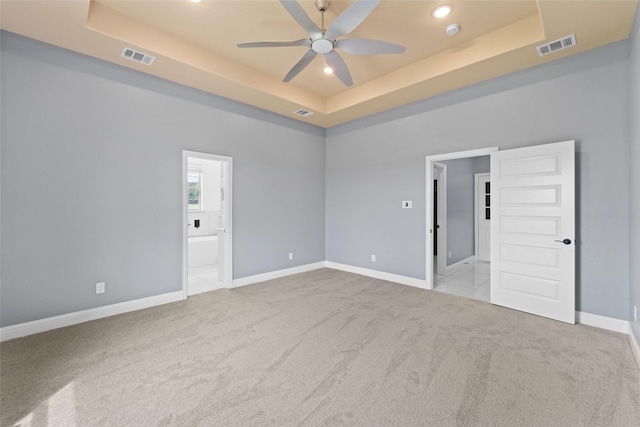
<point>533,230</point>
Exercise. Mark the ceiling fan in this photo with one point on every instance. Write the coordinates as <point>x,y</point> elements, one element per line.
<point>326,41</point>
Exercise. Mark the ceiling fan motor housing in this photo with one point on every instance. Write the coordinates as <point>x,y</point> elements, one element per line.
<point>322,45</point>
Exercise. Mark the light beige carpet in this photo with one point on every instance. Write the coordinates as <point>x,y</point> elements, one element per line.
<point>321,348</point>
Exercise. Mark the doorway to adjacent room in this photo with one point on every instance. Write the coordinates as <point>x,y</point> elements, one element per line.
<point>207,231</point>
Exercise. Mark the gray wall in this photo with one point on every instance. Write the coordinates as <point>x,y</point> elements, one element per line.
<point>90,175</point>
<point>481,164</point>
<point>634,120</point>
<point>460,205</point>
<point>91,181</point>
<point>374,163</point>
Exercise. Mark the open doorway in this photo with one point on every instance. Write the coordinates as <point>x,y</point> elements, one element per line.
<point>458,267</point>
<point>207,234</point>
<point>450,198</point>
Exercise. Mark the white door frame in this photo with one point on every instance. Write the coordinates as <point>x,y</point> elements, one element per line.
<point>228,244</point>
<point>476,213</point>
<point>441,263</point>
<point>429,201</point>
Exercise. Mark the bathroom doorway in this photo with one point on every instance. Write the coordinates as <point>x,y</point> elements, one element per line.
<point>207,232</point>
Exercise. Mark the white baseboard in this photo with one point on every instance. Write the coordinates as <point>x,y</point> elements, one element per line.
<point>602,322</point>
<point>42,325</point>
<point>459,265</point>
<point>403,280</point>
<point>635,346</point>
<point>249,280</point>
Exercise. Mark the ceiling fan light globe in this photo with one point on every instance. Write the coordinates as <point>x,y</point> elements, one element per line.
<point>322,45</point>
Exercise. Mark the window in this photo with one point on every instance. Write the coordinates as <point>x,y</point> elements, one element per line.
<point>194,185</point>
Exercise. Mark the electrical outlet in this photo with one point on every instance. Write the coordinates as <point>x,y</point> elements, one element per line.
<point>290,256</point>
<point>373,258</point>
<point>635,313</point>
<point>100,287</point>
<point>449,254</point>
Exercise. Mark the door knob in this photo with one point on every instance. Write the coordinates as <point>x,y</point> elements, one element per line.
<point>565,241</point>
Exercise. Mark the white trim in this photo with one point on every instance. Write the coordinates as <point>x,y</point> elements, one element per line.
<point>42,325</point>
<point>476,211</point>
<point>460,264</point>
<point>429,201</point>
<point>396,278</point>
<point>441,260</point>
<point>602,322</point>
<point>185,227</point>
<point>228,242</point>
<point>635,346</point>
<point>249,280</point>
<point>69,319</point>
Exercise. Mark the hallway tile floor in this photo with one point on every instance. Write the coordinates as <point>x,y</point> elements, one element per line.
<point>471,281</point>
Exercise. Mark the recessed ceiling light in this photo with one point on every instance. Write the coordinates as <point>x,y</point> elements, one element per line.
<point>442,11</point>
<point>195,1</point>
<point>452,29</point>
<point>328,70</point>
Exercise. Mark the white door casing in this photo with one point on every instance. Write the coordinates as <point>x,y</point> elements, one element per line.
<point>482,217</point>
<point>440,174</point>
<point>532,213</point>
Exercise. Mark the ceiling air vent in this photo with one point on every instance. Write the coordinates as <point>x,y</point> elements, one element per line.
<point>134,55</point>
<point>557,45</point>
<point>303,113</point>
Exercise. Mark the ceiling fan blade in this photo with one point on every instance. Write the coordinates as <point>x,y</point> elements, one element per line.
<point>297,12</point>
<point>368,47</point>
<point>348,20</point>
<point>301,42</point>
<point>337,64</point>
<point>301,65</point>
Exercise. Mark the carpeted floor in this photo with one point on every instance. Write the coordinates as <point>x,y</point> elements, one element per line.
<point>321,348</point>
